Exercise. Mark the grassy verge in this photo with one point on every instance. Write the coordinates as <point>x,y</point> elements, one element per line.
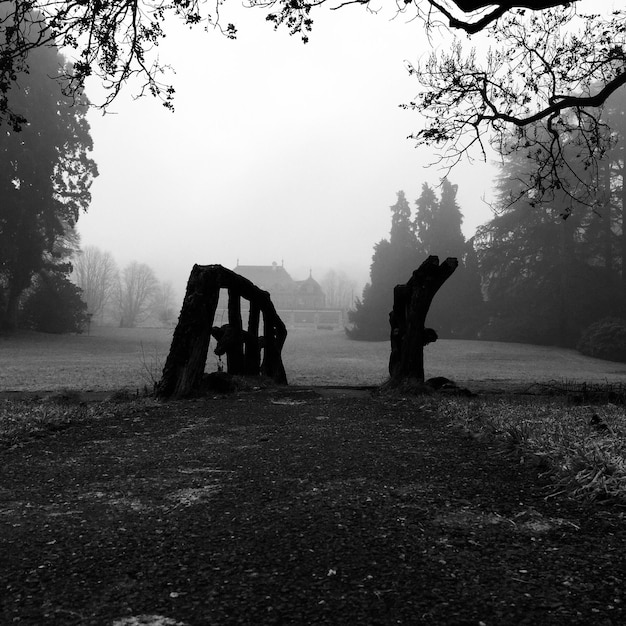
<point>583,448</point>
<point>116,358</point>
<point>22,419</point>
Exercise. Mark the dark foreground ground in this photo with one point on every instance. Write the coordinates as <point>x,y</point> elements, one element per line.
<point>297,507</point>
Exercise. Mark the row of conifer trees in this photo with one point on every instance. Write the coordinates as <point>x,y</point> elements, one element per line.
<point>535,273</point>
<point>434,228</point>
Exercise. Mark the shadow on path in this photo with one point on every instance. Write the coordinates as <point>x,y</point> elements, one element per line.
<point>310,507</point>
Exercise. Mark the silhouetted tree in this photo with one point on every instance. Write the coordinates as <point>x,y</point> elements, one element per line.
<point>545,268</point>
<point>393,262</point>
<point>369,317</point>
<point>338,289</point>
<point>115,41</point>
<point>136,289</point>
<point>545,61</point>
<point>469,293</point>
<point>612,209</point>
<point>435,230</point>
<point>427,206</point>
<point>458,308</point>
<point>164,305</point>
<point>534,89</point>
<point>439,222</point>
<point>45,175</point>
<point>96,274</point>
<point>54,305</point>
<point>402,235</point>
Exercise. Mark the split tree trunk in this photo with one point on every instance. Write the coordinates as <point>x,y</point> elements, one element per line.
<point>234,356</point>
<point>253,348</point>
<point>190,344</point>
<point>274,338</point>
<point>410,308</point>
<point>184,367</point>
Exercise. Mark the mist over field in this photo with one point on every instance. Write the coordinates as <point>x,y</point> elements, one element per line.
<point>276,150</point>
<point>292,163</point>
<point>110,359</point>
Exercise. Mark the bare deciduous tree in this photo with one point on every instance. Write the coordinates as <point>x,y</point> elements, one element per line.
<point>136,288</point>
<point>537,89</point>
<point>117,40</point>
<point>339,289</point>
<point>549,62</point>
<point>164,303</point>
<point>96,273</point>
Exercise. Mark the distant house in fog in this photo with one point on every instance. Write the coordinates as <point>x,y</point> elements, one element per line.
<point>286,293</point>
<point>300,303</point>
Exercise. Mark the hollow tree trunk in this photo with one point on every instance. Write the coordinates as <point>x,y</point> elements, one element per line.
<point>253,349</point>
<point>190,344</point>
<point>234,355</point>
<point>275,334</point>
<point>182,374</point>
<point>410,308</point>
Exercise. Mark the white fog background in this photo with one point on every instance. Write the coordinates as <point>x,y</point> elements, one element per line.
<point>277,150</point>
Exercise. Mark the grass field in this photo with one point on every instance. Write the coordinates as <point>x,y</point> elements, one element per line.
<point>114,358</point>
<point>558,435</point>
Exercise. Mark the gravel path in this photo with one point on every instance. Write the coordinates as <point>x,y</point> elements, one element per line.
<point>296,507</point>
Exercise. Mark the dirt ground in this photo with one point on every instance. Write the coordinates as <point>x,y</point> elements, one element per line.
<point>299,506</point>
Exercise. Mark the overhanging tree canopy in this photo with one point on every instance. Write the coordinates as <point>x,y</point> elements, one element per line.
<point>538,88</point>
<point>549,62</point>
<point>184,368</point>
<point>45,177</point>
<point>116,39</point>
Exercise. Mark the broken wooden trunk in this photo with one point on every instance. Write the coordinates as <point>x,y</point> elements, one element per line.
<point>184,368</point>
<point>410,308</point>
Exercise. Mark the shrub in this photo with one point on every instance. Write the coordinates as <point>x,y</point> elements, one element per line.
<point>605,339</point>
<point>557,439</point>
<point>54,306</point>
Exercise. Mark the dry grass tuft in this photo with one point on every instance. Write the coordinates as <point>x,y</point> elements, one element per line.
<point>20,419</point>
<point>582,447</point>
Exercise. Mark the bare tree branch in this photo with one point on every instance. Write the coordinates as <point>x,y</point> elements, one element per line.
<point>548,69</point>
<point>539,89</point>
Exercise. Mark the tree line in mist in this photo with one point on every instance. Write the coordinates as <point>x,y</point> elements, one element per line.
<point>434,228</point>
<point>545,271</point>
<point>547,268</point>
<point>128,297</point>
<point>134,296</point>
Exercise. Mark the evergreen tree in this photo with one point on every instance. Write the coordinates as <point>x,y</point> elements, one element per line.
<point>54,305</point>
<point>435,230</point>
<point>401,235</point>
<point>468,296</point>
<point>440,222</point>
<point>393,262</point>
<point>45,176</point>
<point>457,309</point>
<point>541,264</point>
<point>427,207</point>
<point>612,213</point>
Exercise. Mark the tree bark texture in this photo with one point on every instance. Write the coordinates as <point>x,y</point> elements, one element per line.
<point>410,308</point>
<point>184,367</point>
<point>253,349</point>
<point>234,356</point>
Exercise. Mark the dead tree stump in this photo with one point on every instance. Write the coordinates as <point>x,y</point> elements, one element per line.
<point>410,307</point>
<point>184,367</point>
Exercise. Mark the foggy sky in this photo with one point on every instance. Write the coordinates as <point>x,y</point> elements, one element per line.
<point>277,151</point>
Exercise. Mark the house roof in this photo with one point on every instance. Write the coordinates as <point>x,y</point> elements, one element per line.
<point>310,286</point>
<point>268,277</point>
